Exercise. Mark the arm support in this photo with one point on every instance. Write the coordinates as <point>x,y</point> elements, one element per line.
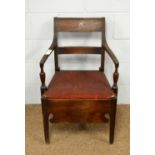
<point>116,63</point>
<point>42,73</point>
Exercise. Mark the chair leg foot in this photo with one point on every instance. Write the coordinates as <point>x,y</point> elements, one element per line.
<point>112,123</point>
<point>82,126</point>
<point>46,129</point>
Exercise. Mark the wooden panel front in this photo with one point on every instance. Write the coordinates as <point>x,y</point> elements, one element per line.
<point>79,24</point>
<point>78,111</point>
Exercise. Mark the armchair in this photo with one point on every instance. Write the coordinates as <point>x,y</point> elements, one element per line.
<point>79,96</point>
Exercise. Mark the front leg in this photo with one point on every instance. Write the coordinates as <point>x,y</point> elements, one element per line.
<point>45,120</point>
<point>46,128</point>
<point>112,122</point>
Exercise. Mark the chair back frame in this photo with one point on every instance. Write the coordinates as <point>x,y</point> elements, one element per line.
<point>79,25</point>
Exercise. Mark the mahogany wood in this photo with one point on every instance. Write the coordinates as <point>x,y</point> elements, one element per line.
<point>79,24</point>
<point>79,50</point>
<point>89,106</point>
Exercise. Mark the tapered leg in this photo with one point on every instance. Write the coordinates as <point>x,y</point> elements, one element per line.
<point>112,122</point>
<point>46,128</point>
<point>45,120</point>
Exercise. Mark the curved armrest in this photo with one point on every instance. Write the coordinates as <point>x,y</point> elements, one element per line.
<point>47,54</point>
<point>42,62</point>
<point>44,58</point>
<point>111,54</point>
<point>116,62</point>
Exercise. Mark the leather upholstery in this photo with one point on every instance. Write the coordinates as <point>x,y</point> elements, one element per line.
<point>79,85</point>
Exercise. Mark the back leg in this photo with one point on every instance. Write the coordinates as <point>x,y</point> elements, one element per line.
<point>105,119</point>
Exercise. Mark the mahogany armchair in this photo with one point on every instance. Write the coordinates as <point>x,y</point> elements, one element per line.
<point>79,96</point>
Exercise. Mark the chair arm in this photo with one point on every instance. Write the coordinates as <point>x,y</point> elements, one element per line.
<point>42,62</point>
<point>47,54</point>
<point>111,54</point>
<point>44,58</point>
<point>116,62</point>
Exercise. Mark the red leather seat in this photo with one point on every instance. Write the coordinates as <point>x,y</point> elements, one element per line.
<point>79,85</point>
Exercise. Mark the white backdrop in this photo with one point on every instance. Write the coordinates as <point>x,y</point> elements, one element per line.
<point>39,33</point>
